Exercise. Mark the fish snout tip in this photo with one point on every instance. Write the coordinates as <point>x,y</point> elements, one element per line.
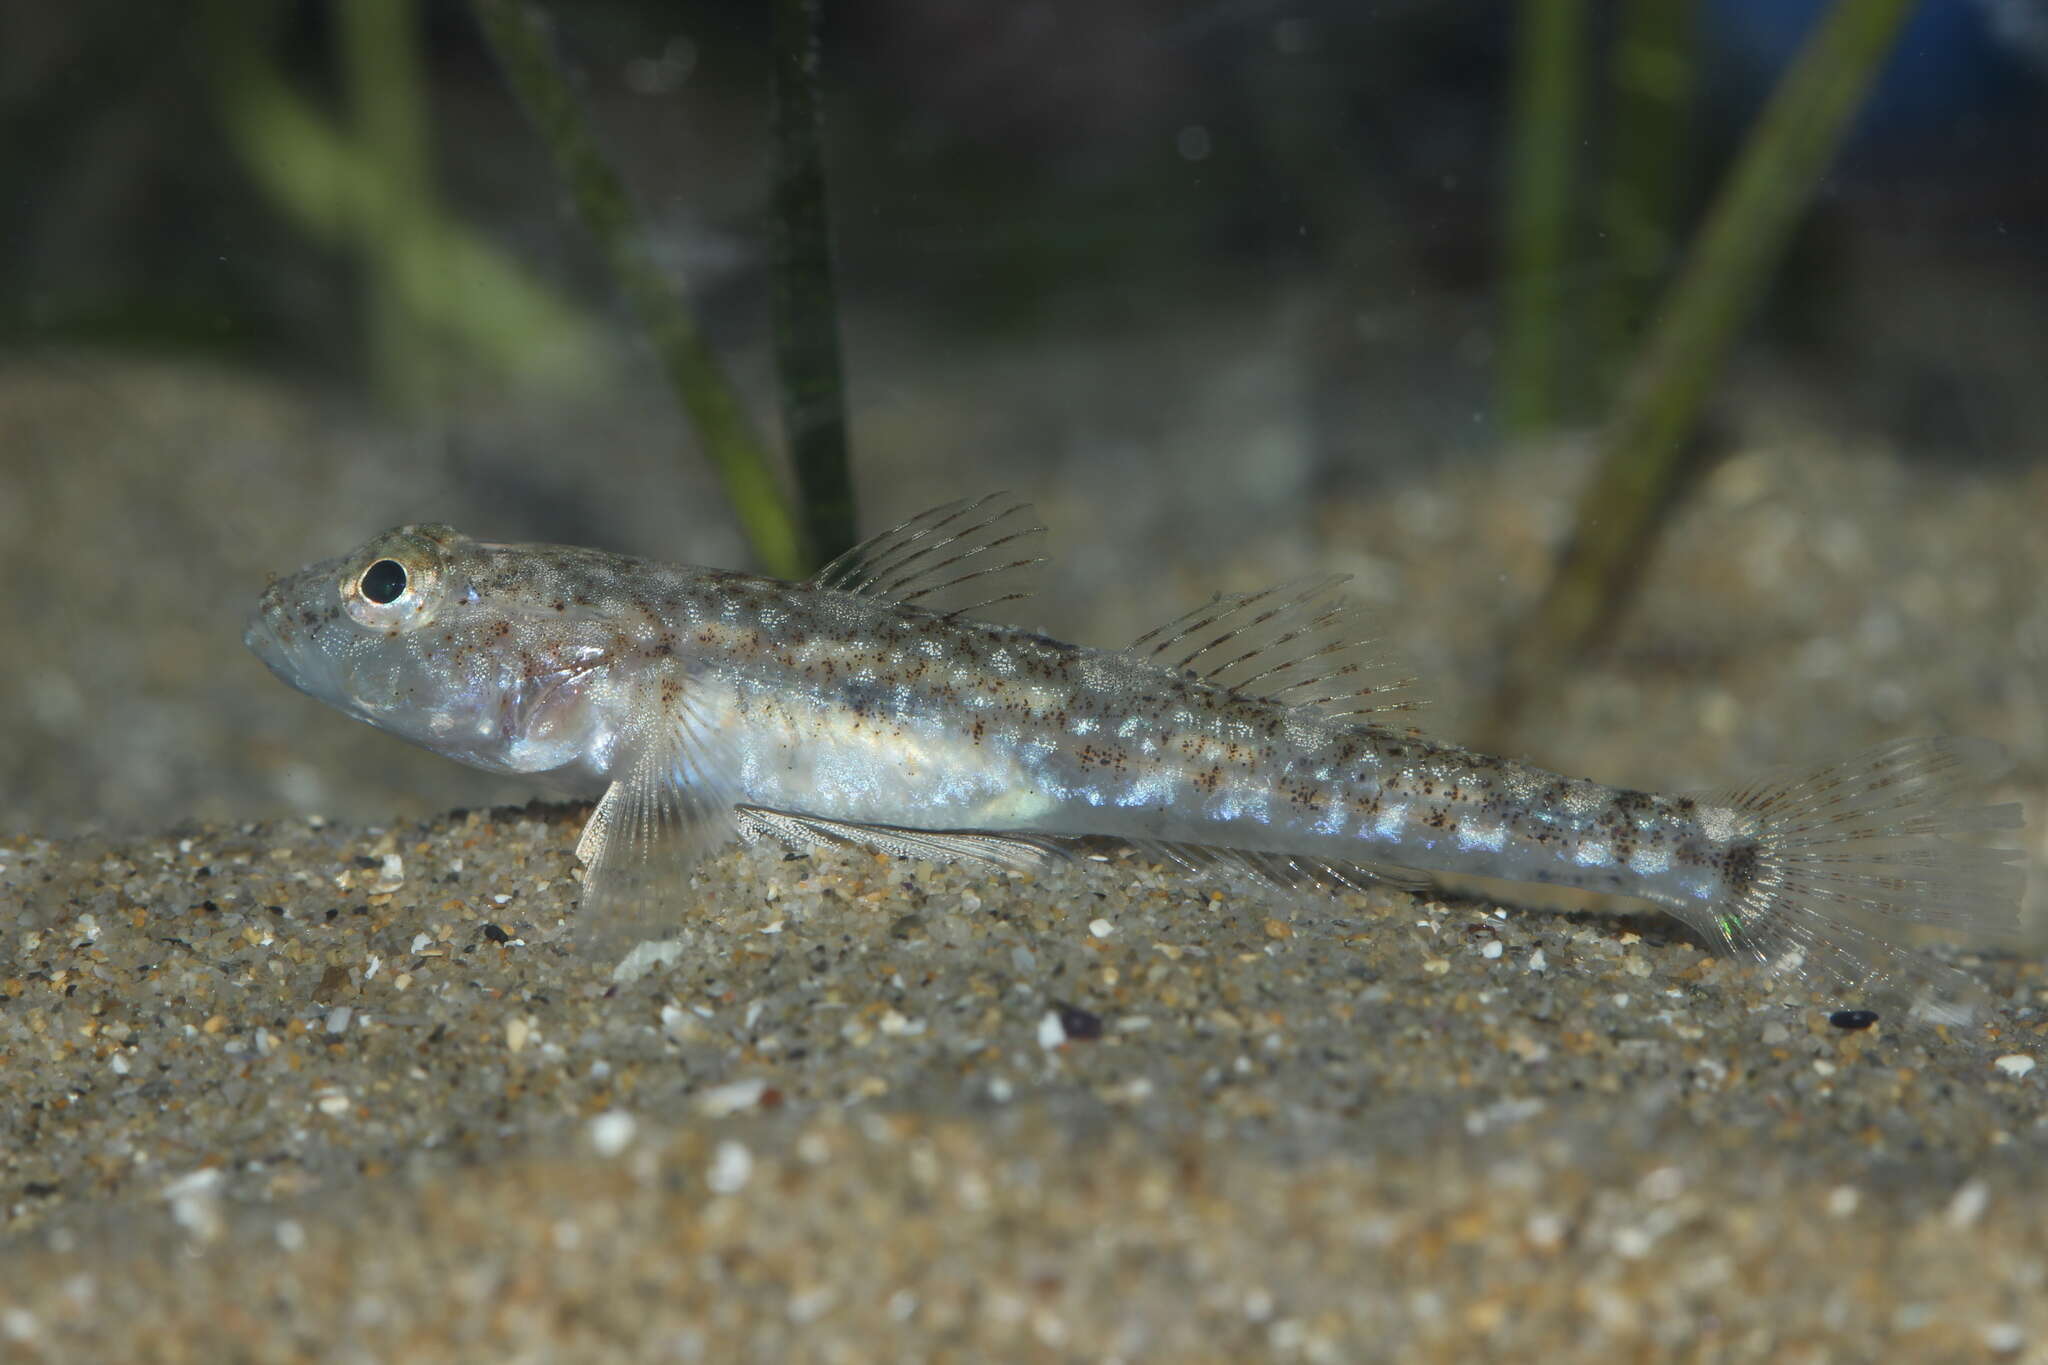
<point>260,635</point>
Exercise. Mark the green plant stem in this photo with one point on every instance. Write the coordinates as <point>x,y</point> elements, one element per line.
<point>519,37</point>
<point>1549,67</point>
<point>1650,82</point>
<point>381,61</point>
<point>806,307</point>
<point>1639,462</point>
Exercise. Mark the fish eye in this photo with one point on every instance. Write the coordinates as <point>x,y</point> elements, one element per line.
<point>384,582</point>
<point>399,581</point>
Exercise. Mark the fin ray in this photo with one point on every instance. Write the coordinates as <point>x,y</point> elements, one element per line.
<point>1294,643</point>
<point>1280,871</point>
<point>1020,851</point>
<point>953,559</point>
<point>671,805</point>
<point>1851,856</point>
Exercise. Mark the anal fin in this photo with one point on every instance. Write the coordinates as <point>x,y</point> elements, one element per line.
<point>1026,852</point>
<point>1020,851</point>
<point>1281,871</point>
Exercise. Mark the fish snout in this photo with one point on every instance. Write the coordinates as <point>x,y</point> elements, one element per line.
<point>261,636</point>
<point>273,630</point>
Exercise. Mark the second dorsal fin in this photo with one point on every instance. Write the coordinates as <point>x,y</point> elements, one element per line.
<point>955,558</point>
<point>1296,643</point>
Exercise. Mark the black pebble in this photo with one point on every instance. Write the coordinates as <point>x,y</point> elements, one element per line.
<point>1076,1022</point>
<point>1853,1019</point>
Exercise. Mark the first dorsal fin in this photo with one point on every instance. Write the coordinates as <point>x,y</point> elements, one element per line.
<point>956,558</point>
<point>1295,643</point>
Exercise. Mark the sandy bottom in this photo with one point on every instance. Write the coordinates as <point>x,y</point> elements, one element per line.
<point>281,1091</point>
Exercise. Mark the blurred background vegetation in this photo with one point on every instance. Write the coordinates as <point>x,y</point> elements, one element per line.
<point>351,189</point>
<point>1232,264</point>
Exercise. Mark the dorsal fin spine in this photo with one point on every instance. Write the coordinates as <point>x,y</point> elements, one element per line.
<point>1290,643</point>
<point>923,560</point>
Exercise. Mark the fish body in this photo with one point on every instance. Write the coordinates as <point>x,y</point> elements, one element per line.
<point>866,705</point>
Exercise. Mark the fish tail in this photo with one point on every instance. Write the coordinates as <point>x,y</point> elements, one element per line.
<point>1847,860</point>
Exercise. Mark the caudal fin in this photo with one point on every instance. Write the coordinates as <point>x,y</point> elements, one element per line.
<point>1849,858</point>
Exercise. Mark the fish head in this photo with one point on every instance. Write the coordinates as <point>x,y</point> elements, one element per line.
<point>417,634</point>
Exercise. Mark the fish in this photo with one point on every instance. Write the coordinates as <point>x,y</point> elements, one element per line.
<point>1262,735</point>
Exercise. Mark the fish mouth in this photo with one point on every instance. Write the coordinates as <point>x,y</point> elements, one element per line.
<point>274,633</point>
<point>274,636</point>
<point>262,640</point>
<point>288,637</point>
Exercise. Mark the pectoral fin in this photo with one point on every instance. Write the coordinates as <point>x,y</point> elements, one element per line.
<point>670,804</point>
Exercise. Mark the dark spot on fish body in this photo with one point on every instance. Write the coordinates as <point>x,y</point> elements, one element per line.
<point>1741,865</point>
<point>1634,803</point>
<point>1693,853</point>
